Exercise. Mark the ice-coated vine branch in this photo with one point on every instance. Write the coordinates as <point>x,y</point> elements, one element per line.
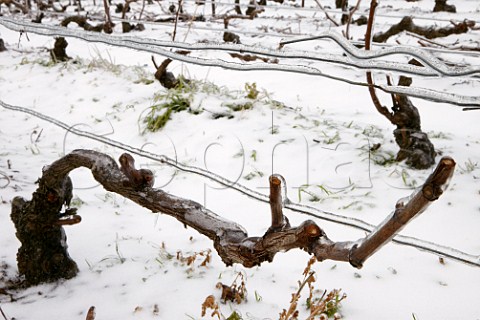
<point>39,222</point>
<point>317,213</point>
<point>405,211</point>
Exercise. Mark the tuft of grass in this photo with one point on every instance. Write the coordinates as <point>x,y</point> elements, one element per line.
<point>468,167</point>
<point>181,98</point>
<point>104,63</point>
<point>372,132</point>
<point>240,106</point>
<point>407,179</point>
<point>173,100</point>
<point>380,156</point>
<point>251,91</point>
<point>438,135</point>
<point>235,316</point>
<point>253,155</point>
<point>253,174</point>
<point>76,202</point>
<point>142,76</point>
<point>330,138</point>
<point>258,297</point>
<point>159,114</point>
<point>313,196</point>
<point>42,62</point>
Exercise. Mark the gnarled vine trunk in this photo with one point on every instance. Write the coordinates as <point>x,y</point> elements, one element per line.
<point>43,255</point>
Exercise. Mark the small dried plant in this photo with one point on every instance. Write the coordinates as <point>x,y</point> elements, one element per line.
<point>190,259</point>
<point>211,303</point>
<point>235,292</point>
<point>195,264</point>
<point>324,307</point>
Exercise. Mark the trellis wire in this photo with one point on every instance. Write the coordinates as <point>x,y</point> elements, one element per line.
<point>100,17</point>
<point>420,244</point>
<point>155,46</point>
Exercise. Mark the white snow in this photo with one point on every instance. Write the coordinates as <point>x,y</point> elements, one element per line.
<point>124,270</point>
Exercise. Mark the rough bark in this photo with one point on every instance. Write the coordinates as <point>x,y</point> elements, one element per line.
<point>441,5</point>
<point>406,24</point>
<point>340,4</point>
<point>55,6</point>
<point>415,147</point>
<point>252,15</point>
<point>2,45</point>
<point>238,10</point>
<point>38,18</point>
<point>58,53</point>
<point>16,4</point>
<point>108,25</point>
<point>43,256</point>
<point>166,78</point>
<point>343,4</point>
<point>231,37</point>
<point>82,23</point>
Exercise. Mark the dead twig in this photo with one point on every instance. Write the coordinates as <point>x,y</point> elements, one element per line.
<point>180,3</point>
<point>6,177</point>
<point>108,26</point>
<point>126,7</point>
<point>429,43</point>
<point>326,13</point>
<point>251,16</point>
<point>424,39</point>
<point>371,85</point>
<point>349,20</point>
<point>141,10</point>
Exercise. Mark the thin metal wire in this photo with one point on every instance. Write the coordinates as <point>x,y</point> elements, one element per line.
<point>155,46</point>
<point>195,26</point>
<point>420,244</point>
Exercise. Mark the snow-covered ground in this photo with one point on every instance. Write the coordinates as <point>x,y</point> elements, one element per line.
<point>314,131</point>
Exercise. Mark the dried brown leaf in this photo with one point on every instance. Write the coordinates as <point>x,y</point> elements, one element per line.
<point>210,303</point>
